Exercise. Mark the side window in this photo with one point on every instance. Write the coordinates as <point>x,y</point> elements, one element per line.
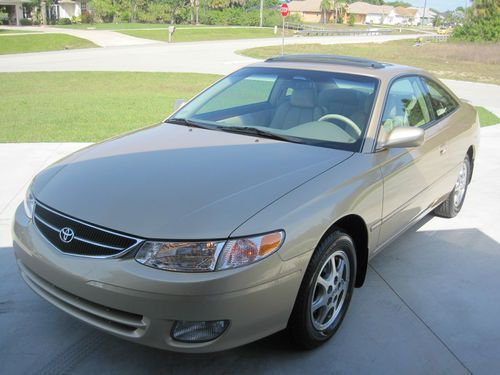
<point>405,105</point>
<point>442,102</point>
<point>252,89</point>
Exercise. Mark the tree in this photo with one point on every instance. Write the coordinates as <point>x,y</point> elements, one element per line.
<point>436,22</point>
<point>339,9</point>
<point>326,7</point>
<point>41,9</point>
<point>174,6</point>
<point>103,9</point>
<point>481,23</point>
<point>351,20</point>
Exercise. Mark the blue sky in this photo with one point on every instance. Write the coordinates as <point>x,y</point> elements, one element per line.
<point>440,5</point>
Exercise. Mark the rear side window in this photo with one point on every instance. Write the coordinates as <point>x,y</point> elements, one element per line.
<point>442,102</point>
<point>405,105</point>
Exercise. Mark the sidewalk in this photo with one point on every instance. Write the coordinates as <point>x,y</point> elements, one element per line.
<point>103,38</point>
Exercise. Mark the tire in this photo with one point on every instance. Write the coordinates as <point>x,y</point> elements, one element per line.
<point>453,204</point>
<point>309,329</point>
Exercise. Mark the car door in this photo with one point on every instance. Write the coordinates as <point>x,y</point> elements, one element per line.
<point>408,173</point>
<point>452,128</point>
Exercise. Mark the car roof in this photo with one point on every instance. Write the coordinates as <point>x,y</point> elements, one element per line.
<point>339,64</point>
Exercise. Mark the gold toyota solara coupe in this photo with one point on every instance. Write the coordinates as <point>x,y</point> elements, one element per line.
<point>254,208</point>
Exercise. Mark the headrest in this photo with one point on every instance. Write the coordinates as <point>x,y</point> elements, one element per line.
<point>338,96</point>
<point>303,98</point>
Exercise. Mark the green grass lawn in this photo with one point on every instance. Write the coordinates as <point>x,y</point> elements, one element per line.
<point>487,118</point>
<point>207,33</point>
<point>463,61</point>
<point>88,106</point>
<point>40,43</point>
<point>92,106</point>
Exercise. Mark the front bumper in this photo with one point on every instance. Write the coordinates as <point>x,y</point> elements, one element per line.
<point>140,304</point>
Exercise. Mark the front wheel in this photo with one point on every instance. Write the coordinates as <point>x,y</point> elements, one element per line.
<point>453,204</point>
<point>325,292</point>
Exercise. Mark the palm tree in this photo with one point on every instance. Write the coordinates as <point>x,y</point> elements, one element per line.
<point>339,8</point>
<point>326,7</point>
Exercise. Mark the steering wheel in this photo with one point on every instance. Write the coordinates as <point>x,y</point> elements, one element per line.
<point>345,120</point>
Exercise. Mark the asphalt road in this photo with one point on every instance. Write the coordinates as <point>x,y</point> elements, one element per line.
<point>429,305</point>
<point>198,57</point>
<point>220,57</point>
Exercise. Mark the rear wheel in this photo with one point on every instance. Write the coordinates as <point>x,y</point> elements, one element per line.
<point>325,292</point>
<point>453,204</point>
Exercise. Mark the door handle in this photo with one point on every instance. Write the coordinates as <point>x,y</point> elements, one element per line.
<point>443,149</point>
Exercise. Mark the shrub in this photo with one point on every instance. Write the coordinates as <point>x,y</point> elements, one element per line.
<point>86,17</point>
<point>103,10</point>
<point>25,22</point>
<point>351,20</point>
<point>76,19</point>
<point>37,17</point>
<point>64,21</point>
<point>243,17</point>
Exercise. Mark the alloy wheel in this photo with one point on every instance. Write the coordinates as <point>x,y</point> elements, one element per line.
<point>330,290</point>
<point>460,186</point>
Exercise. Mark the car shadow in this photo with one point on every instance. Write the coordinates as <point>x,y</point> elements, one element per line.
<point>428,306</point>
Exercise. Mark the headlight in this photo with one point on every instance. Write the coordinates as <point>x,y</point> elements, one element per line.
<point>210,255</point>
<point>29,203</point>
<point>180,256</point>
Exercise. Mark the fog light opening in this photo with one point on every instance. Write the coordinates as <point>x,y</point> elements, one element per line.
<point>195,332</point>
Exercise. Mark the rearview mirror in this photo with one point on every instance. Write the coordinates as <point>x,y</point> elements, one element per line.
<point>404,137</point>
<point>178,104</point>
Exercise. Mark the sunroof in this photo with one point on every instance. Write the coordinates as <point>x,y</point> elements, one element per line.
<point>329,59</point>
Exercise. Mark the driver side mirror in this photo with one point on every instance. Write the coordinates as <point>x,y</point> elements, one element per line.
<point>178,104</point>
<point>403,137</point>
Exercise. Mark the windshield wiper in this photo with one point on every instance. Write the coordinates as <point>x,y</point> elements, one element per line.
<point>258,132</point>
<point>186,122</point>
<point>235,129</point>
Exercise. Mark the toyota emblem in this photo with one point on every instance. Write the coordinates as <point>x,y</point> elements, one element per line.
<point>66,235</point>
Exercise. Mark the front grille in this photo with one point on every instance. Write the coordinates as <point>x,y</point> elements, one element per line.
<point>83,239</point>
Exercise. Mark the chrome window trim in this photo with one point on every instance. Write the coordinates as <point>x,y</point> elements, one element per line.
<point>138,241</point>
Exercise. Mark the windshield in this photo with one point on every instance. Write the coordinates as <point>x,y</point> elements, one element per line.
<point>311,107</point>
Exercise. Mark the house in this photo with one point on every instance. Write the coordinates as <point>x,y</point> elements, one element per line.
<point>19,9</point>
<point>70,8</point>
<point>65,9</point>
<point>365,13</point>
<point>427,16</point>
<point>14,10</point>
<point>403,16</point>
<point>309,10</point>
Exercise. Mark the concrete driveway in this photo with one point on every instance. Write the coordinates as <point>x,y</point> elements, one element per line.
<point>429,306</point>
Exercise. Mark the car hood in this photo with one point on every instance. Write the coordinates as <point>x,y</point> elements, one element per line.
<point>175,182</point>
